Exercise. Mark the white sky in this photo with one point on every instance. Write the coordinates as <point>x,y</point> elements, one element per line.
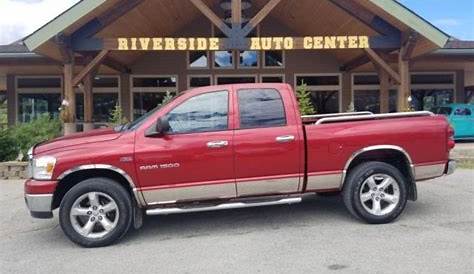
<point>18,18</point>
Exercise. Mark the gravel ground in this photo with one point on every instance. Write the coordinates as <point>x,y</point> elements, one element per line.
<point>434,235</point>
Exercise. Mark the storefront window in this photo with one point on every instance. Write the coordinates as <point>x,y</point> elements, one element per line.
<point>367,100</point>
<point>3,109</point>
<point>274,59</point>
<point>234,79</point>
<point>273,79</point>
<point>38,96</point>
<point>149,92</point>
<point>198,59</point>
<point>103,105</point>
<point>366,92</point>
<point>248,59</point>
<point>325,91</point>
<point>430,90</point>
<point>31,106</point>
<point>199,81</point>
<point>223,59</point>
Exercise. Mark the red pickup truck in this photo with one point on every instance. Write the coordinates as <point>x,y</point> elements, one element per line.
<point>233,146</point>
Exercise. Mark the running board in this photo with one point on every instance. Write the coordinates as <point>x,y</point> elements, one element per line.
<point>177,210</point>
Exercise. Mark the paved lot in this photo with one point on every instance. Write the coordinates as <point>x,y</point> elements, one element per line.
<point>434,235</point>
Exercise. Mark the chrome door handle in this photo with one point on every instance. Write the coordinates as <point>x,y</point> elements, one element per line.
<point>285,138</point>
<point>217,144</point>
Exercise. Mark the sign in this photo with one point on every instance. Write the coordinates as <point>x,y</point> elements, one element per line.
<point>254,43</point>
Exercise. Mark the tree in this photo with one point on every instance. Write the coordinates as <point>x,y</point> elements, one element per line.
<point>304,100</point>
<point>168,97</point>
<point>117,117</point>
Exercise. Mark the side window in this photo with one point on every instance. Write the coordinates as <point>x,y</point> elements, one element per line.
<point>260,108</point>
<point>201,113</point>
<point>462,112</point>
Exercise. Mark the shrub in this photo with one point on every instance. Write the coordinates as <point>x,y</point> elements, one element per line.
<point>8,146</point>
<point>304,100</point>
<point>28,134</point>
<point>116,117</point>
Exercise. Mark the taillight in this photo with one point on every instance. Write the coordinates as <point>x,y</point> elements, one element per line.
<point>451,142</point>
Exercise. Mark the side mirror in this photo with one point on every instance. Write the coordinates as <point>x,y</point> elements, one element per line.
<point>160,129</point>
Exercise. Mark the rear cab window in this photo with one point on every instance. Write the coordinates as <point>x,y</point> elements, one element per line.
<point>261,108</point>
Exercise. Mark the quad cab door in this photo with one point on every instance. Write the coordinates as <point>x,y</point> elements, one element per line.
<point>194,160</point>
<point>268,143</point>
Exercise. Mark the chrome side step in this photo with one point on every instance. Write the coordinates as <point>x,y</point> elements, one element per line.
<point>177,210</point>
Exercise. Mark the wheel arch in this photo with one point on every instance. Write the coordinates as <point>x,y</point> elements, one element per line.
<point>390,154</point>
<point>73,176</point>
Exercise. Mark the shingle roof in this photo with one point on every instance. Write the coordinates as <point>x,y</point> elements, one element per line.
<point>14,48</point>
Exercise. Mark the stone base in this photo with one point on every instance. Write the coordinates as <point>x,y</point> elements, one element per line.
<point>69,128</point>
<point>87,127</point>
<point>13,170</point>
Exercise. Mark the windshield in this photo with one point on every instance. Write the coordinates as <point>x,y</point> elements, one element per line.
<point>442,110</point>
<point>136,123</point>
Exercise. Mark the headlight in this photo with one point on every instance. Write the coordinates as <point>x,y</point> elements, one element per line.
<point>43,167</point>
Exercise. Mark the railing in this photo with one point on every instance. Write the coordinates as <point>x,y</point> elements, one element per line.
<point>373,117</point>
<point>320,116</point>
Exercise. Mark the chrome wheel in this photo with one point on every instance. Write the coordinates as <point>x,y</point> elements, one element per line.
<point>94,215</point>
<point>380,194</point>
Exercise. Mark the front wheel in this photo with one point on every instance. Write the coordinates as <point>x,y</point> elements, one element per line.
<point>376,192</point>
<point>96,212</point>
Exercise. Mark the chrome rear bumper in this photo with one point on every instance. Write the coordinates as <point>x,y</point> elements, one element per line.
<point>40,205</point>
<point>450,167</point>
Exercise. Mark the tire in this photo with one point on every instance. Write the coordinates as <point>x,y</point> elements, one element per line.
<point>99,208</point>
<point>375,192</point>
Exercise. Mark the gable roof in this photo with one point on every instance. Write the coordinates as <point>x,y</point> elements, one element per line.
<point>85,7</point>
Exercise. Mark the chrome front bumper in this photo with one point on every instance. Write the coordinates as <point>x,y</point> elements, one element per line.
<point>40,205</point>
<point>450,167</point>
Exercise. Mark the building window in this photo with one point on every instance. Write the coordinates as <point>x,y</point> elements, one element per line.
<point>198,59</point>
<point>149,91</point>
<point>325,91</point>
<point>274,59</point>
<point>105,96</point>
<point>366,93</point>
<point>195,81</point>
<point>272,78</point>
<point>235,79</point>
<point>430,90</point>
<point>38,95</point>
<point>3,109</point>
<point>223,59</point>
<point>248,59</point>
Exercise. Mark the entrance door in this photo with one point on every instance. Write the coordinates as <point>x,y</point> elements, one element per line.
<point>195,159</point>
<point>267,144</point>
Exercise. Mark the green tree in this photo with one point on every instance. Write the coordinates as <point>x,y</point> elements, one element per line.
<point>116,117</point>
<point>168,97</point>
<point>304,100</point>
<point>8,146</point>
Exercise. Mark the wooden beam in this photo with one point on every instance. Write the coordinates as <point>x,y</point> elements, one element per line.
<point>116,65</point>
<point>355,63</point>
<point>69,112</point>
<point>404,90</point>
<point>237,14</point>
<point>259,17</point>
<point>64,45</point>
<point>384,90</point>
<point>89,67</point>
<point>212,17</point>
<point>376,59</point>
<point>409,46</point>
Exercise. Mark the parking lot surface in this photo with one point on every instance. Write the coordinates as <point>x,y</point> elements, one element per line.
<point>434,235</point>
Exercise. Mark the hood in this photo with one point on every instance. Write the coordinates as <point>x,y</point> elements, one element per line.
<point>93,136</point>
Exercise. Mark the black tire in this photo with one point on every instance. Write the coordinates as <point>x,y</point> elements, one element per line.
<point>355,181</point>
<point>104,185</point>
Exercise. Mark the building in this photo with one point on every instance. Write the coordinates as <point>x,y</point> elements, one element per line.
<point>374,55</point>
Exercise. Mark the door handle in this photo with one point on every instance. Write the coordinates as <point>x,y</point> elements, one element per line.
<point>217,144</point>
<point>285,138</point>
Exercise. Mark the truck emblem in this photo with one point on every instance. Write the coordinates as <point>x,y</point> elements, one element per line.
<point>159,166</point>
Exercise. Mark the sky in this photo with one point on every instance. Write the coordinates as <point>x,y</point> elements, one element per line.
<point>18,18</point>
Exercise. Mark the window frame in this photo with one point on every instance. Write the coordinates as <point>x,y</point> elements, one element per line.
<point>134,90</point>
<point>370,87</point>
<point>282,75</point>
<point>189,76</point>
<point>337,88</point>
<point>19,91</point>
<point>452,86</point>
<point>217,76</point>
<point>264,52</point>
<point>209,60</point>
<point>248,68</point>
<point>237,101</point>
<point>229,110</point>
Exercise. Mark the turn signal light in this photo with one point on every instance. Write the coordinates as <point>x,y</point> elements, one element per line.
<point>451,142</point>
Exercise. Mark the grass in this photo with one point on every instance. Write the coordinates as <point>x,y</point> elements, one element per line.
<point>466,163</point>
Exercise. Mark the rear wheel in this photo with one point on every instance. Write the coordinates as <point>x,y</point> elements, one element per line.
<point>376,192</point>
<point>96,212</point>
